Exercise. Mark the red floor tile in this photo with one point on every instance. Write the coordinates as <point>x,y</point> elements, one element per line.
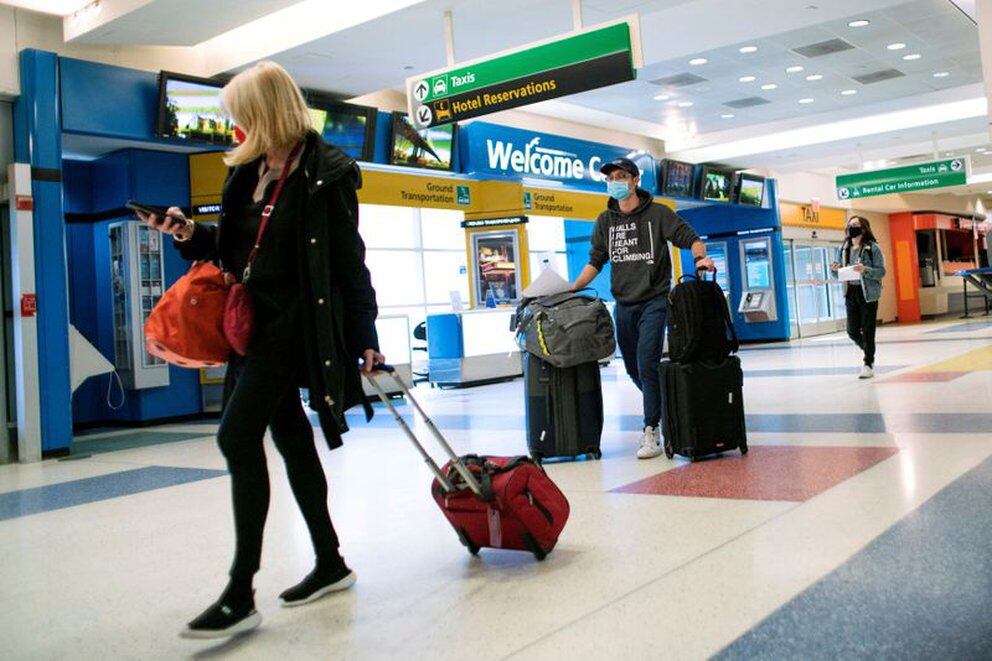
<point>768,472</point>
<point>923,377</point>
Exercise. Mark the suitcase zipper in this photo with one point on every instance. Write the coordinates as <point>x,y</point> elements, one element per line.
<point>541,508</point>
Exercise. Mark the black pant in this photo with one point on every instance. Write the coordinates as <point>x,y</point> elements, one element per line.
<point>861,322</point>
<point>266,395</point>
<point>641,335</point>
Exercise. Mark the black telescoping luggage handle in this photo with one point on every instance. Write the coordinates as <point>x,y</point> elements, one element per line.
<point>463,470</point>
<point>700,274</point>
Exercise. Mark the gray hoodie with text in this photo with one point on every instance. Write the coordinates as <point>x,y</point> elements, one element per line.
<point>637,245</point>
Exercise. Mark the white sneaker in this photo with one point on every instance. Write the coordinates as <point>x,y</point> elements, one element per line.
<point>866,372</point>
<point>650,444</point>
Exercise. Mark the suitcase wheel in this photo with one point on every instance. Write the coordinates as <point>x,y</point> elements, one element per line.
<point>534,547</point>
<point>472,548</point>
<point>669,452</point>
<point>595,453</point>
<point>537,457</point>
<point>743,448</point>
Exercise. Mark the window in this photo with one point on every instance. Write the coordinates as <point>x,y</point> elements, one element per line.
<point>388,227</point>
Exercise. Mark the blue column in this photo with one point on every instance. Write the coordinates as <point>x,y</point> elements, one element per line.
<point>38,141</point>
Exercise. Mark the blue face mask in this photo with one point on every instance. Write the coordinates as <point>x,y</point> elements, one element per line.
<point>618,190</point>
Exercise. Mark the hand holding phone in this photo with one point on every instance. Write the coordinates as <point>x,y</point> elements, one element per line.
<point>170,221</point>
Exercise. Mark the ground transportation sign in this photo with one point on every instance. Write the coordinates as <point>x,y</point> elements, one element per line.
<point>907,179</point>
<point>560,66</point>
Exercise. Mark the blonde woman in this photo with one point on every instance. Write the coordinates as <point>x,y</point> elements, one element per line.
<point>315,312</point>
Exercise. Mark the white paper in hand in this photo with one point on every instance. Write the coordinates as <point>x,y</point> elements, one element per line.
<point>547,284</point>
<point>848,274</point>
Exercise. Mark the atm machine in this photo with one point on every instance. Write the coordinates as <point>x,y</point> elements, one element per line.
<point>757,301</point>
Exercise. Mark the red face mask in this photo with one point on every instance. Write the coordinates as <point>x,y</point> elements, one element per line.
<point>239,135</point>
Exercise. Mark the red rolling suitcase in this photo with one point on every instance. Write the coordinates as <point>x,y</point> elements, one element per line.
<point>491,502</point>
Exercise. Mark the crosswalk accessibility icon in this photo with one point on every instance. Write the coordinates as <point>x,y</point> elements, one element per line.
<point>420,90</point>
<point>424,116</point>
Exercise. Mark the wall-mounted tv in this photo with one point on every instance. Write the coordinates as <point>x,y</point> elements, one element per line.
<point>349,127</point>
<point>431,148</point>
<point>716,184</point>
<point>750,190</point>
<point>189,109</point>
<point>677,178</point>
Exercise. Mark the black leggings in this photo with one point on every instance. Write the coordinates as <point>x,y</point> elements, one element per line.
<point>266,395</point>
<point>861,322</point>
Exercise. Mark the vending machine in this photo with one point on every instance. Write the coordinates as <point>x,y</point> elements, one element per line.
<point>138,282</point>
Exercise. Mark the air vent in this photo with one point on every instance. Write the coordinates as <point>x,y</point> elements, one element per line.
<point>823,48</point>
<point>747,102</point>
<point>879,76</point>
<point>680,80</point>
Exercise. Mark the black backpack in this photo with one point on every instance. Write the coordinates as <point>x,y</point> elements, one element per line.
<point>699,323</point>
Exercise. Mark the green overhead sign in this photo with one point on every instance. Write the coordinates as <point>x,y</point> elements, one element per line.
<point>566,65</point>
<point>908,179</point>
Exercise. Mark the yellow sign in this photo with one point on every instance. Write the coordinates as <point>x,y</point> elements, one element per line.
<point>803,215</point>
<point>563,204</point>
<point>400,189</point>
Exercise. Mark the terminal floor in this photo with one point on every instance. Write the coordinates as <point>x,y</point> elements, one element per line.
<point>858,527</point>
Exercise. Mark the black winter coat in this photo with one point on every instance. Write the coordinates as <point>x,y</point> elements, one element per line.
<point>339,321</point>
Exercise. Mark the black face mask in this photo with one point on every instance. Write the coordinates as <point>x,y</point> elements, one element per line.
<point>854,232</point>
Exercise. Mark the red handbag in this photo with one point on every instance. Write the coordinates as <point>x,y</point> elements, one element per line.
<point>206,314</point>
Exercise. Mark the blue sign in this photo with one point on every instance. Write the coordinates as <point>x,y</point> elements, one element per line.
<point>502,152</point>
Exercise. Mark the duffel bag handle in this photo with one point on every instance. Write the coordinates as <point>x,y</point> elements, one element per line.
<point>456,462</point>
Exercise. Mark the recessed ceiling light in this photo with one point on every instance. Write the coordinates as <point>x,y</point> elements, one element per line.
<point>794,69</point>
<point>662,97</point>
<point>814,77</point>
<point>697,61</point>
<point>860,23</point>
<point>941,74</point>
<point>769,86</point>
<point>896,46</point>
<point>806,101</point>
<point>685,104</point>
<point>981,150</point>
<point>748,49</point>
<point>747,79</point>
<point>727,115</point>
<point>912,56</point>
<point>849,92</point>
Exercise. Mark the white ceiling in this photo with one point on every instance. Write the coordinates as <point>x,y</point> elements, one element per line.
<point>389,41</point>
<point>172,22</point>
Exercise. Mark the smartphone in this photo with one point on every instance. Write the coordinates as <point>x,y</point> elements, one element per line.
<point>148,209</point>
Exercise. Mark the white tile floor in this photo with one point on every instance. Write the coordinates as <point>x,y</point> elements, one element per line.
<point>633,576</point>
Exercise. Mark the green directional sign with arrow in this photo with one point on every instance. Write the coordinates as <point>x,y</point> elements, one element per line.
<point>564,65</point>
<point>907,179</point>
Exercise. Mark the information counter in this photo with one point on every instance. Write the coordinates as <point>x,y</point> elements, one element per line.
<point>472,347</point>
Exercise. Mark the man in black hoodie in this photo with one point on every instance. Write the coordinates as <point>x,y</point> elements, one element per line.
<point>633,233</point>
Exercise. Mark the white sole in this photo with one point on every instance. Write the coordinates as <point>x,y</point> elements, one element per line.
<point>244,626</point>
<point>343,584</point>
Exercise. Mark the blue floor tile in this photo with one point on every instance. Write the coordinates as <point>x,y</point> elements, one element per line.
<point>52,497</point>
<point>921,590</point>
<point>964,327</point>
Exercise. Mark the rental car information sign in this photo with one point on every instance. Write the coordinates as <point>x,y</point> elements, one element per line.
<point>907,179</point>
<point>569,64</point>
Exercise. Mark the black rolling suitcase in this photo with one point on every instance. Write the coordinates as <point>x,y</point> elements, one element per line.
<point>564,409</point>
<point>704,408</point>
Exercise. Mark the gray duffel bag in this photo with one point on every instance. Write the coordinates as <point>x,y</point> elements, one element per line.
<point>566,329</point>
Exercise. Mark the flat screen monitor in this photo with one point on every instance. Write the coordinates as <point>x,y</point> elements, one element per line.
<point>716,184</point>
<point>349,127</point>
<point>677,178</point>
<point>431,148</point>
<point>189,109</point>
<point>751,190</point>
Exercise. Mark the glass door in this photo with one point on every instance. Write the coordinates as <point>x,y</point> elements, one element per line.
<point>819,302</point>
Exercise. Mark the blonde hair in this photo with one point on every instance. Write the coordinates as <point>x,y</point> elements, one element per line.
<point>266,103</point>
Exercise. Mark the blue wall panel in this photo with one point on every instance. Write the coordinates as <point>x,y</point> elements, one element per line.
<point>38,142</point>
